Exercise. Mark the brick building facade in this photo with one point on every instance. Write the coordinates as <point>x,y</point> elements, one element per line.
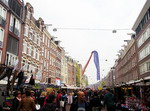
<point>11,29</point>
<point>31,52</point>
<point>26,41</point>
<point>142,29</point>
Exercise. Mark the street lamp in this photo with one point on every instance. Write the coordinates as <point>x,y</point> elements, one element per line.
<point>113,76</point>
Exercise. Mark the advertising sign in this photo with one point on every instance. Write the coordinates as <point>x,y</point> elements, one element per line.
<point>57,81</point>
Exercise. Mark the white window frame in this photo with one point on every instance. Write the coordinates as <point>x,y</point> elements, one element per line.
<point>17,24</point>
<point>26,30</point>
<point>3,12</point>
<point>25,47</point>
<point>1,34</point>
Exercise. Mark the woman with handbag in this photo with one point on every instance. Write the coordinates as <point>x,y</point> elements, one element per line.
<point>50,104</point>
<point>64,99</point>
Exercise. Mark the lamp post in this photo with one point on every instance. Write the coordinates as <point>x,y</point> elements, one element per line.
<point>112,68</point>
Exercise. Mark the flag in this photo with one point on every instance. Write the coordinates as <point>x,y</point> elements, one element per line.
<point>96,61</point>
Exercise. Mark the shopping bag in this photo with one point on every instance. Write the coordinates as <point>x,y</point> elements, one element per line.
<point>62,103</point>
<point>37,106</point>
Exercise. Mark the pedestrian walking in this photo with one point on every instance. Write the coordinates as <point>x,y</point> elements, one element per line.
<point>109,100</point>
<point>80,104</point>
<point>95,102</point>
<point>33,96</point>
<point>42,98</point>
<point>58,98</point>
<point>46,97</point>
<point>64,99</point>
<point>16,101</point>
<point>69,98</point>
<point>27,103</point>
<point>50,104</point>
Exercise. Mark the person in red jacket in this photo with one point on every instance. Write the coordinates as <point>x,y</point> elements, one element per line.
<point>58,98</point>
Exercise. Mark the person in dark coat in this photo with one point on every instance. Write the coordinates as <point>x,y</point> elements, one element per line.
<point>1,108</point>
<point>80,104</point>
<point>95,103</point>
<point>64,98</point>
<point>16,101</point>
<point>109,100</point>
<point>32,81</point>
<point>50,104</point>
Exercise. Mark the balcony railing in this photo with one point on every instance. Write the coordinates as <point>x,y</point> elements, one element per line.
<point>2,22</point>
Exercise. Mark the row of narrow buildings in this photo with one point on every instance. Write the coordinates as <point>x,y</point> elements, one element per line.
<point>25,43</point>
<point>133,63</point>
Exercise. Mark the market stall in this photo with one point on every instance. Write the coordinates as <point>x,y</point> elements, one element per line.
<point>133,97</point>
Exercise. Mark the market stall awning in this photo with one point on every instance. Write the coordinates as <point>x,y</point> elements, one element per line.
<point>69,87</point>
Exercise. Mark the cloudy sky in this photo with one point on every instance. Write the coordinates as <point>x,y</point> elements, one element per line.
<point>90,14</point>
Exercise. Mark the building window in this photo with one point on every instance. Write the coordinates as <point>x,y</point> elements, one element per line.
<point>34,56</point>
<point>144,52</point>
<point>11,59</point>
<point>3,12</point>
<point>35,38</point>
<point>43,38</point>
<point>15,25</point>
<point>45,53</point>
<point>0,55</point>
<point>38,54</point>
<point>32,51</point>
<point>5,2</point>
<point>26,30</point>
<point>143,21</point>
<point>25,47</point>
<point>145,68</point>
<point>12,45</point>
<point>144,36</point>
<point>16,7</point>
<point>1,37</point>
<point>31,35</point>
<point>2,16</point>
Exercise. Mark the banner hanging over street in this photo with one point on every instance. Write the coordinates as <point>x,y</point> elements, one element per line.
<point>96,61</point>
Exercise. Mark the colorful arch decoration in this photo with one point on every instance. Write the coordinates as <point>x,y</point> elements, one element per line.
<point>96,61</point>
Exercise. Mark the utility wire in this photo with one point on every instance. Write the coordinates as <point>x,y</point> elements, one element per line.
<point>55,29</point>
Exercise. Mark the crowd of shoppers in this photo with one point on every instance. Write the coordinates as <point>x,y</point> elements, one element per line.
<point>79,100</point>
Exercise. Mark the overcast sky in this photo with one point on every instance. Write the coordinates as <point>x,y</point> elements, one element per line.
<point>90,14</point>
